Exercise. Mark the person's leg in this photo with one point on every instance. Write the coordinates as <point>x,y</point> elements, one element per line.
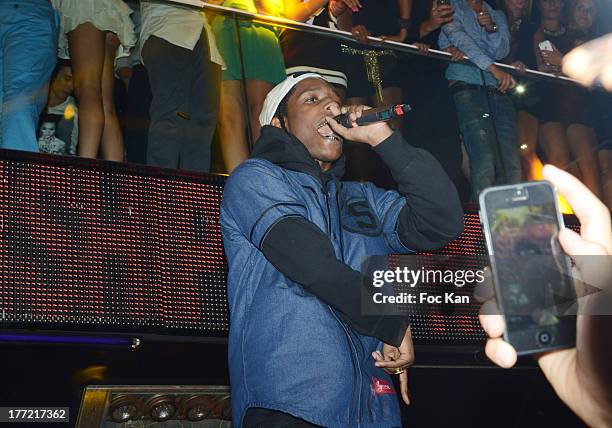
<point>28,53</point>
<point>232,125</point>
<point>166,65</point>
<point>554,144</point>
<point>204,86</point>
<point>112,139</point>
<point>477,132</point>
<point>582,141</point>
<point>256,94</point>
<point>257,417</point>
<point>137,116</point>
<point>509,162</point>
<point>87,52</point>
<point>527,127</point>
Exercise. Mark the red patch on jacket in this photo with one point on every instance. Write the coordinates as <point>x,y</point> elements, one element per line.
<point>381,387</point>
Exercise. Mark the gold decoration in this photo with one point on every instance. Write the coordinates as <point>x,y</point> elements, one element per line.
<point>370,58</point>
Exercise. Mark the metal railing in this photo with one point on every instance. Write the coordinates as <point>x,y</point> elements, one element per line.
<point>348,37</point>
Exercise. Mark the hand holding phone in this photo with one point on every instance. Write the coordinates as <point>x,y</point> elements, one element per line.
<point>577,374</point>
<point>546,45</point>
<point>441,13</point>
<point>531,273</point>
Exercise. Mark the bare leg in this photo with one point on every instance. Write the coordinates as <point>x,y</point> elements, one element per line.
<point>256,93</point>
<point>232,125</point>
<point>582,141</point>
<point>605,164</point>
<point>112,139</point>
<point>527,127</point>
<point>87,50</point>
<point>555,144</point>
<point>392,96</point>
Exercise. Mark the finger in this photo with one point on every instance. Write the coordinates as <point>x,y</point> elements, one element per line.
<point>493,325</point>
<point>357,110</point>
<point>339,129</point>
<point>512,82</point>
<point>394,364</point>
<point>574,245</point>
<point>593,215</point>
<point>502,84</point>
<point>390,354</point>
<point>490,320</point>
<point>501,353</point>
<point>606,78</point>
<point>485,290</point>
<point>403,377</point>
<point>335,109</point>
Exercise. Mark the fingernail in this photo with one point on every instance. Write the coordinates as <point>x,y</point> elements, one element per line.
<point>504,358</point>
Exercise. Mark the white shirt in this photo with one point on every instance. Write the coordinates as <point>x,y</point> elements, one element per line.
<point>178,25</point>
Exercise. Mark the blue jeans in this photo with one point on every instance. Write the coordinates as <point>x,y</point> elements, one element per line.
<point>489,133</point>
<point>28,54</point>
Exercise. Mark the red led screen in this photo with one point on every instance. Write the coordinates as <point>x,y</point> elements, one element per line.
<point>98,246</point>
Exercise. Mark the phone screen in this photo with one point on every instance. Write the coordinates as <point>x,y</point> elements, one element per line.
<point>532,274</point>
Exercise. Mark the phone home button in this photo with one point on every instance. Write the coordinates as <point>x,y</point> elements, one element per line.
<point>544,337</point>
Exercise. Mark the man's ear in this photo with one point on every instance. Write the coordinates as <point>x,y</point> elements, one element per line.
<point>276,122</point>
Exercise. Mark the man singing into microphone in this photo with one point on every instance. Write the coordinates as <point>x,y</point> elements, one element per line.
<point>301,350</point>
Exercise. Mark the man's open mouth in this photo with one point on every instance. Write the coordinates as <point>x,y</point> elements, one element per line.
<point>326,132</point>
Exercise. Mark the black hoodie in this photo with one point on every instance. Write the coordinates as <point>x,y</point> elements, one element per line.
<point>431,218</point>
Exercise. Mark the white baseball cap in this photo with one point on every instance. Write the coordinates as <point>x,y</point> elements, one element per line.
<point>276,95</point>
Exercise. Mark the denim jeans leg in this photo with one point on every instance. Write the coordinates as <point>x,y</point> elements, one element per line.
<point>478,136</point>
<point>29,53</point>
<point>504,116</point>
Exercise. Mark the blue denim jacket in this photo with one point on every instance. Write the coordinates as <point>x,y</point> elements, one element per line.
<point>289,351</point>
<point>482,48</point>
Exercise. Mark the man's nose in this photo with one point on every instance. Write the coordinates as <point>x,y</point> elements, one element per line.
<point>333,107</point>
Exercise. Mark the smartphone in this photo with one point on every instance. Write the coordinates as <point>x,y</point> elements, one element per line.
<point>546,45</point>
<point>531,273</point>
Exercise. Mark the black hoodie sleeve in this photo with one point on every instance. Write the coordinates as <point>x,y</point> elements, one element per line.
<point>304,254</point>
<point>431,218</point>
<point>433,215</point>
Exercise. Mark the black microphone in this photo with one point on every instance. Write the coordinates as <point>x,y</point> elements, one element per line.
<point>380,114</point>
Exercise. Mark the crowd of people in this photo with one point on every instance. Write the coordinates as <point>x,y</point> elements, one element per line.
<point>155,83</point>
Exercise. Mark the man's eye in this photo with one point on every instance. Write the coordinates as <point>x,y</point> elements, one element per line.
<point>311,99</point>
